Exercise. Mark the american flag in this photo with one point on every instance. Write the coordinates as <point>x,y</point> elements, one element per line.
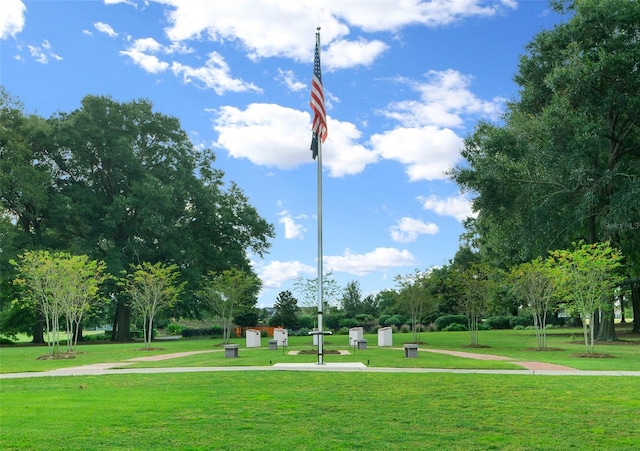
<point>319,127</point>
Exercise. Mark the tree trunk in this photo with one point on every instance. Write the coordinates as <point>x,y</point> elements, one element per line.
<point>38,329</point>
<point>606,329</point>
<point>635,302</point>
<point>77,333</point>
<point>122,323</point>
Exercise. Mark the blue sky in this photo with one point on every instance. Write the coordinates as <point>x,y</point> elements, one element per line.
<point>405,81</point>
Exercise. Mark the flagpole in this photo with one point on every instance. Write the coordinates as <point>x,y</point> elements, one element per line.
<point>320,269</point>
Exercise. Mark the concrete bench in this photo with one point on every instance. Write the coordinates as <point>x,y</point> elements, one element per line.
<point>410,351</point>
<point>231,351</point>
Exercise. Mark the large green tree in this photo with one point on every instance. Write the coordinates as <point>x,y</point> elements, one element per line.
<point>123,184</point>
<point>565,165</point>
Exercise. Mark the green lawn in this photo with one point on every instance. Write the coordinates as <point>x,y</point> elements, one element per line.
<point>519,345</point>
<point>309,411</point>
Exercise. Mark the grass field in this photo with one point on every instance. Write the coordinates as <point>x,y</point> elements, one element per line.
<point>519,345</point>
<point>309,410</point>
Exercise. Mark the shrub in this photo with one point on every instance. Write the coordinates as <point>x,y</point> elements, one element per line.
<point>175,329</point>
<point>343,331</point>
<point>519,327</point>
<point>307,321</point>
<point>348,322</point>
<point>445,320</point>
<point>522,320</point>
<point>499,322</point>
<point>5,341</point>
<point>214,331</point>
<point>364,317</point>
<point>97,337</point>
<point>455,327</point>
<point>405,329</point>
<point>383,319</point>
<point>395,320</point>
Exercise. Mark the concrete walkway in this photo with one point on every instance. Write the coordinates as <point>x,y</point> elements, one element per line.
<point>530,368</point>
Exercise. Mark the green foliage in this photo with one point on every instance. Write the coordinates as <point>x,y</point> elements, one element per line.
<point>395,320</point>
<point>588,277</point>
<point>228,293</point>
<point>60,285</point>
<point>499,322</point>
<point>152,288</point>
<point>445,320</point>
<point>347,323</point>
<point>332,321</point>
<point>455,327</point>
<point>286,307</point>
<point>521,320</point>
<point>213,331</point>
<point>119,181</point>
<point>307,321</point>
<point>565,164</point>
<point>175,329</point>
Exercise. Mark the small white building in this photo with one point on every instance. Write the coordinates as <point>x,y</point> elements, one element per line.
<point>281,335</point>
<point>253,338</point>
<point>355,334</point>
<point>385,336</point>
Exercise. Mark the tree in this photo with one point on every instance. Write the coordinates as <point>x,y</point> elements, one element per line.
<point>83,279</point>
<point>477,288</point>
<point>152,287</point>
<point>565,166</point>
<point>286,307</point>
<point>351,300</point>
<point>587,283</point>
<point>61,286</point>
<point>123,184</point>
<point>535,282</point>
<point>308,289</point>
<point>227,292</point>
<point>413,298</point>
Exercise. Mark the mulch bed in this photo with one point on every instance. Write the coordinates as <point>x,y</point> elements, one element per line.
<point>315,352</point>
<point>594,356</point>
<point>59,356</point>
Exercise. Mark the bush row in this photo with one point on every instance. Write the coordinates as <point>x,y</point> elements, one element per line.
<point>214,331</point>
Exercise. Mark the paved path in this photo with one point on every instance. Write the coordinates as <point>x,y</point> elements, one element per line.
<point>530,368</point>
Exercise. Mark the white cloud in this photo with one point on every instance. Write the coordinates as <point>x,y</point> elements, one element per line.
<point>292,230</point>
<point>115,2</point>
<point>106,29</point>
<point>385,15</point>
<point>427,152</point>
<point>43,52</point>
<point>408,229</point>
<point>266,134</point>
<point>141,52</point>
<point>275,136</point>
<point>11,18</point>
<point>276,272</point>
<point>215,74</point>
<point>343,54</point>
<point>444,99</point>
<point>425,142</point>
<point>381,258</point>
<point>269,28</point>
<point>459,207</point>
<point>288,78</point>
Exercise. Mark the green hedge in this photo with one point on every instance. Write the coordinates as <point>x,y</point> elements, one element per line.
<point>445,320</point>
